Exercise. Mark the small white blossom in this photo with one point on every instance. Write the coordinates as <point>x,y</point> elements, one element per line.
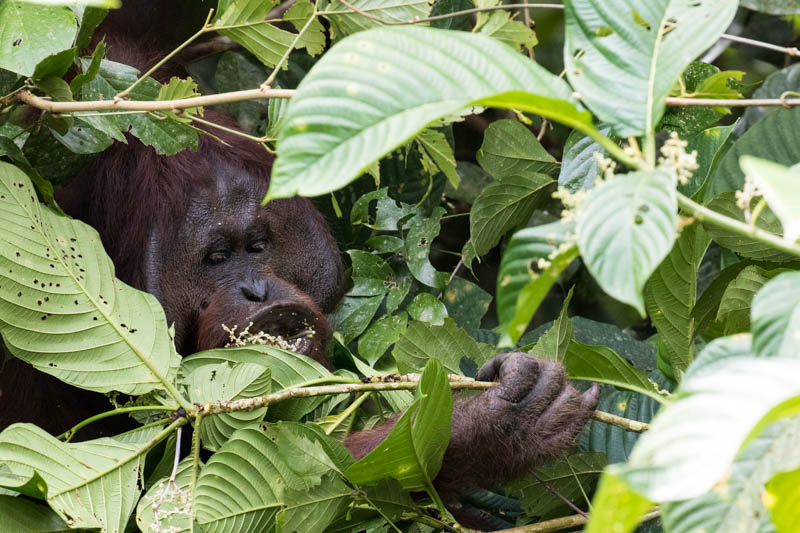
<point>674,153</point>
<point>607,167</point>
<point>572,202</point>
<point>746,195</point>
<point>247,338</point>
<point>168,503</point>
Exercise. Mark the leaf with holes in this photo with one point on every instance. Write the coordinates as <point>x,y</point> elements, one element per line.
<point>344,21</point>
<point>377,89</point>
<point>625,229</point>
<point>657,40</point>
<point>61,308</point>
<point>31,32</point>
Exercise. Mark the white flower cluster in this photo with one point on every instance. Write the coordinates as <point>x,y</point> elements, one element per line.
<point>746,195</point>
<point>607,167</point>
<point>246,338</point>
<point>170,501</point>
<point>572,203</point>
<point>674,153</point>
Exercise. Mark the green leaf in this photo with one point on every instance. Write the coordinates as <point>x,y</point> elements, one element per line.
<point>745,246</point>
<point>569,477</point>
<point>381,335</point>
<point>700,80</point>
<point>737,503</point>
<point>501,207</point>
<point>693,441</point>
<point>524,250</point>
<point>672,293</point>
<point>90,17</point>
<point>466,303</point>
<point>604,365</point>
<point>579,166</point>
<point>501,26</point>
<point>242,22</point>
<point>434,144</point>
<point>373,92</point>
<point>774,138</point>
<point>709,146</point>
<point>224,495</point>
<point>372,276</point>
<point>448,344</point>
<point>353,314</point>
<point>61,308</point>
<point>734,306</point>
<point>422,229</point>
<point>779,186</point>
<point>510,149</point>
<point>346,22</point>
<point>168,137</point>
<point>425,307</point>
<point>412,453</point>
<point>774,7</point>
<point>625,229</point>
<point>554,343</point>
<point>615,506</point>
<point>776,317</point>
<point>287,369</point>
<point>31,32</point>
<point>94,483</point>
<point>224,382</point>
<point>667,36</point>
<point>55,65</point>
<point>534,292</point>
<point>783,497</point>
<point>21,514</point>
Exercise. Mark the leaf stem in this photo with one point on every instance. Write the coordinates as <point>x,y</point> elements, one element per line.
<point>566,522</point>
<point>67,435</point>
<point>344,415</point>
<point>291,47</point>
<point>706,215</point>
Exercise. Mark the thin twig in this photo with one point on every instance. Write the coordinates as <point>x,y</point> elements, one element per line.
<point>566,522</point>
<point>291,48</point>
<point>559,495</point>
<point>153,105</point>
<point>624,423</point>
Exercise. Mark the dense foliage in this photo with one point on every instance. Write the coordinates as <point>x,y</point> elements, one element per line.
<point>676,224</point>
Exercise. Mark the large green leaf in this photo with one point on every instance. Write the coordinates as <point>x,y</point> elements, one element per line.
<point>734,306</point>
<point>344,21</point>
<point>775,138</point>
<point>672,293</point>
<point>448,344</point>
<point>287,369</point>
<point>776,317</point>
<point>61,308</point>
<point>783,495</point>
<point>243,22</point>
<point>625,229</point>
<point>224,382</point>
<point>30,32</point>
<point>376,89</point>
<point>519,164</point>
<point>738,504</point>
<point>693,441</point>
<point>709,145</point>
<point>412,453</point>
<point>94,483</point>
<point>249,480</point>
<point>624,57</point>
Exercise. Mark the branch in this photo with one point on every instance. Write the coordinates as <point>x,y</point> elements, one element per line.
<point>566,522</point>
<point>153,105</point>
<point>706,215</point>
<point>627,424</point>
<point>752,102</point>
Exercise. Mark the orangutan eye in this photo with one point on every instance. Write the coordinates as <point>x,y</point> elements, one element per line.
<point>216,257</point>
<point>257,247</point>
